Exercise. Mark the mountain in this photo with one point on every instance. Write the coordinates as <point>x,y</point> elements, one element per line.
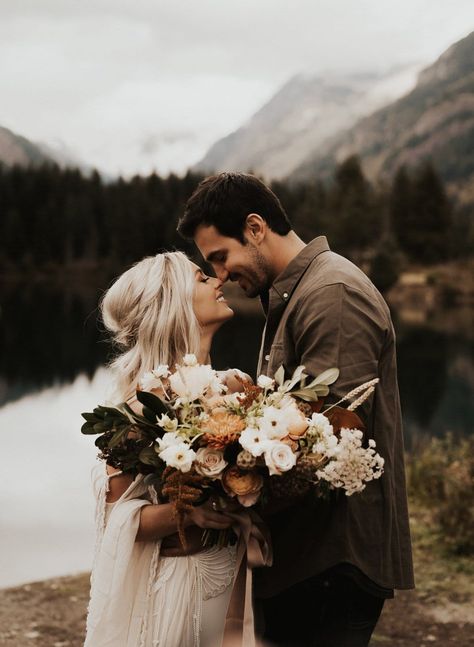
<point>434,121</point>
<point>299,117</point>
<point>15,149</point>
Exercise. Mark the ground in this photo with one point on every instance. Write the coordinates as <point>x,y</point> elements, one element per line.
<point>439,612</point>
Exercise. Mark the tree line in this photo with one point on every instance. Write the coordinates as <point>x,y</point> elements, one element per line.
<point>52,218</point>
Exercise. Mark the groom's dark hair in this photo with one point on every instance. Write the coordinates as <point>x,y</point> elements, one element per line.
<point>225,201</point>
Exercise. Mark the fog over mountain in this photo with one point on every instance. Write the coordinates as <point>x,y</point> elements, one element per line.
<point>302,115</point>
<point>434,121</point>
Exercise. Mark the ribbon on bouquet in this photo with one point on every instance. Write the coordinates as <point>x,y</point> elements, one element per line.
<point>254,549</point>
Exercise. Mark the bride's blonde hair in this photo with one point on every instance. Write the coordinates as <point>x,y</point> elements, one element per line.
<point>149,311</point>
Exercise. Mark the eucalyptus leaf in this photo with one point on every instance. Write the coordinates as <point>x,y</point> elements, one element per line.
<point>326,377</point>
<point>279,376</point>
<point>304,395</point>
<point>298,375</point>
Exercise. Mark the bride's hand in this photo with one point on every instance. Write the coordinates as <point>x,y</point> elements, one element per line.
<point>205,516</point>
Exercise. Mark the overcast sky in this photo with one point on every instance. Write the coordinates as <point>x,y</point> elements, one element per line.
<point>133,85</point>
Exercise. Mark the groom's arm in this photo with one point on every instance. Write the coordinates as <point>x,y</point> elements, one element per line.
<point>342,327</point>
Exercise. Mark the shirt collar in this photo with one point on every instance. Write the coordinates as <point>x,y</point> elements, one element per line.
<point>286,281</point>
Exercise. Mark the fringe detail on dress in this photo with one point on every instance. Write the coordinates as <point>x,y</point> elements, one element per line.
<point>151,577</point>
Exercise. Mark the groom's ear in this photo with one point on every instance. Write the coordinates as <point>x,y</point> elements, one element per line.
<point>255,228</point>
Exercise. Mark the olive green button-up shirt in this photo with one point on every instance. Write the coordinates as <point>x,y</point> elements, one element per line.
<point>324,312</point>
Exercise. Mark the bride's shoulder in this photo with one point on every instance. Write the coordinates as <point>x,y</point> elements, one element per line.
<point>233,378</point>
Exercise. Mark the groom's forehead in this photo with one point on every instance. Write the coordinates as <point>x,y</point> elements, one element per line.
<point>211,242</point>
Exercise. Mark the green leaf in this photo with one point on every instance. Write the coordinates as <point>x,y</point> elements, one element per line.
<point>298,375</point>
<point>279,376</point>
<point>149,456</point>
<point>90,417</point>
<point>136,417</point>
<point>118,437</point>
<point>153,402</point>
<point>149,415</point>
<point>88,428</point>
<point>326,377</point>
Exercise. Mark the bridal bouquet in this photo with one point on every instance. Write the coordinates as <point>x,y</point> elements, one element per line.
<point>271,440</point>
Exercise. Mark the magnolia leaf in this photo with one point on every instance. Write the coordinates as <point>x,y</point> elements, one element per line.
<point>149,456</point>
<point>111,411</point>
<point>88,428</point>
<point>90,417</point>
<point>118,437</point>
<point>136,417</point>
<point>149,415</point>
<point>279,376</point>
<point>153,402</point>
<point>326,377</point>
<point>340,418</point>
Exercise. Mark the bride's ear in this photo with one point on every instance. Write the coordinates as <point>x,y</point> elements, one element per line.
<point>255,228</point>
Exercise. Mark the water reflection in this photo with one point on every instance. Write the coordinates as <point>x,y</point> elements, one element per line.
<point>49,335</point>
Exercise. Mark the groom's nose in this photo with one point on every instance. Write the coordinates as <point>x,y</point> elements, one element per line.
<point>221,273</point>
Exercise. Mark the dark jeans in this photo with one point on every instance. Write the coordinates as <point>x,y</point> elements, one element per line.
<point>323,611</point>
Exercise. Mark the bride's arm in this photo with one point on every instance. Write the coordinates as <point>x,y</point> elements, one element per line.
<point>158,521</point>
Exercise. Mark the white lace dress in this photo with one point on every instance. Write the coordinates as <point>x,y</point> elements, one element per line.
<point>142,599</point>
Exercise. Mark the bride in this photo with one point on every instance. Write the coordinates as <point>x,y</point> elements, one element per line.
<point>146,591</point>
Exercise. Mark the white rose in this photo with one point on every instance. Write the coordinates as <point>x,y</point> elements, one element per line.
<point>180,456</point>
<point>190,360</point>
<point>209,462</point>
<point>279,458</point>
<point>265,382</point>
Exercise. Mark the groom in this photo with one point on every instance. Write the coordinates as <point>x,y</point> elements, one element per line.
<point>336,561</point>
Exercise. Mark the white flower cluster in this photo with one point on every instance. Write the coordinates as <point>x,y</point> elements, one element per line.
<point>153,379</point>
<point>175,451</point>
<point>192,380</point>
<point>351,466</point>
<point>264,435</point>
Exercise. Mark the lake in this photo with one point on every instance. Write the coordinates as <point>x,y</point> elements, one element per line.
<point>52,356</point>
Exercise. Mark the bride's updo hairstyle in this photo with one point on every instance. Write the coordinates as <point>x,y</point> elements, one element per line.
<point>149,311</point>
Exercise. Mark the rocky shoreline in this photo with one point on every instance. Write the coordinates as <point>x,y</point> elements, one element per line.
<point>52,613</point>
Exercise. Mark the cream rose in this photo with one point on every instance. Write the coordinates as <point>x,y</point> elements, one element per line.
<point>279,458</point>
<point>209,462</point>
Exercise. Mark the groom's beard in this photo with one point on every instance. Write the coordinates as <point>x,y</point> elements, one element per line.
<point>255,278</point>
